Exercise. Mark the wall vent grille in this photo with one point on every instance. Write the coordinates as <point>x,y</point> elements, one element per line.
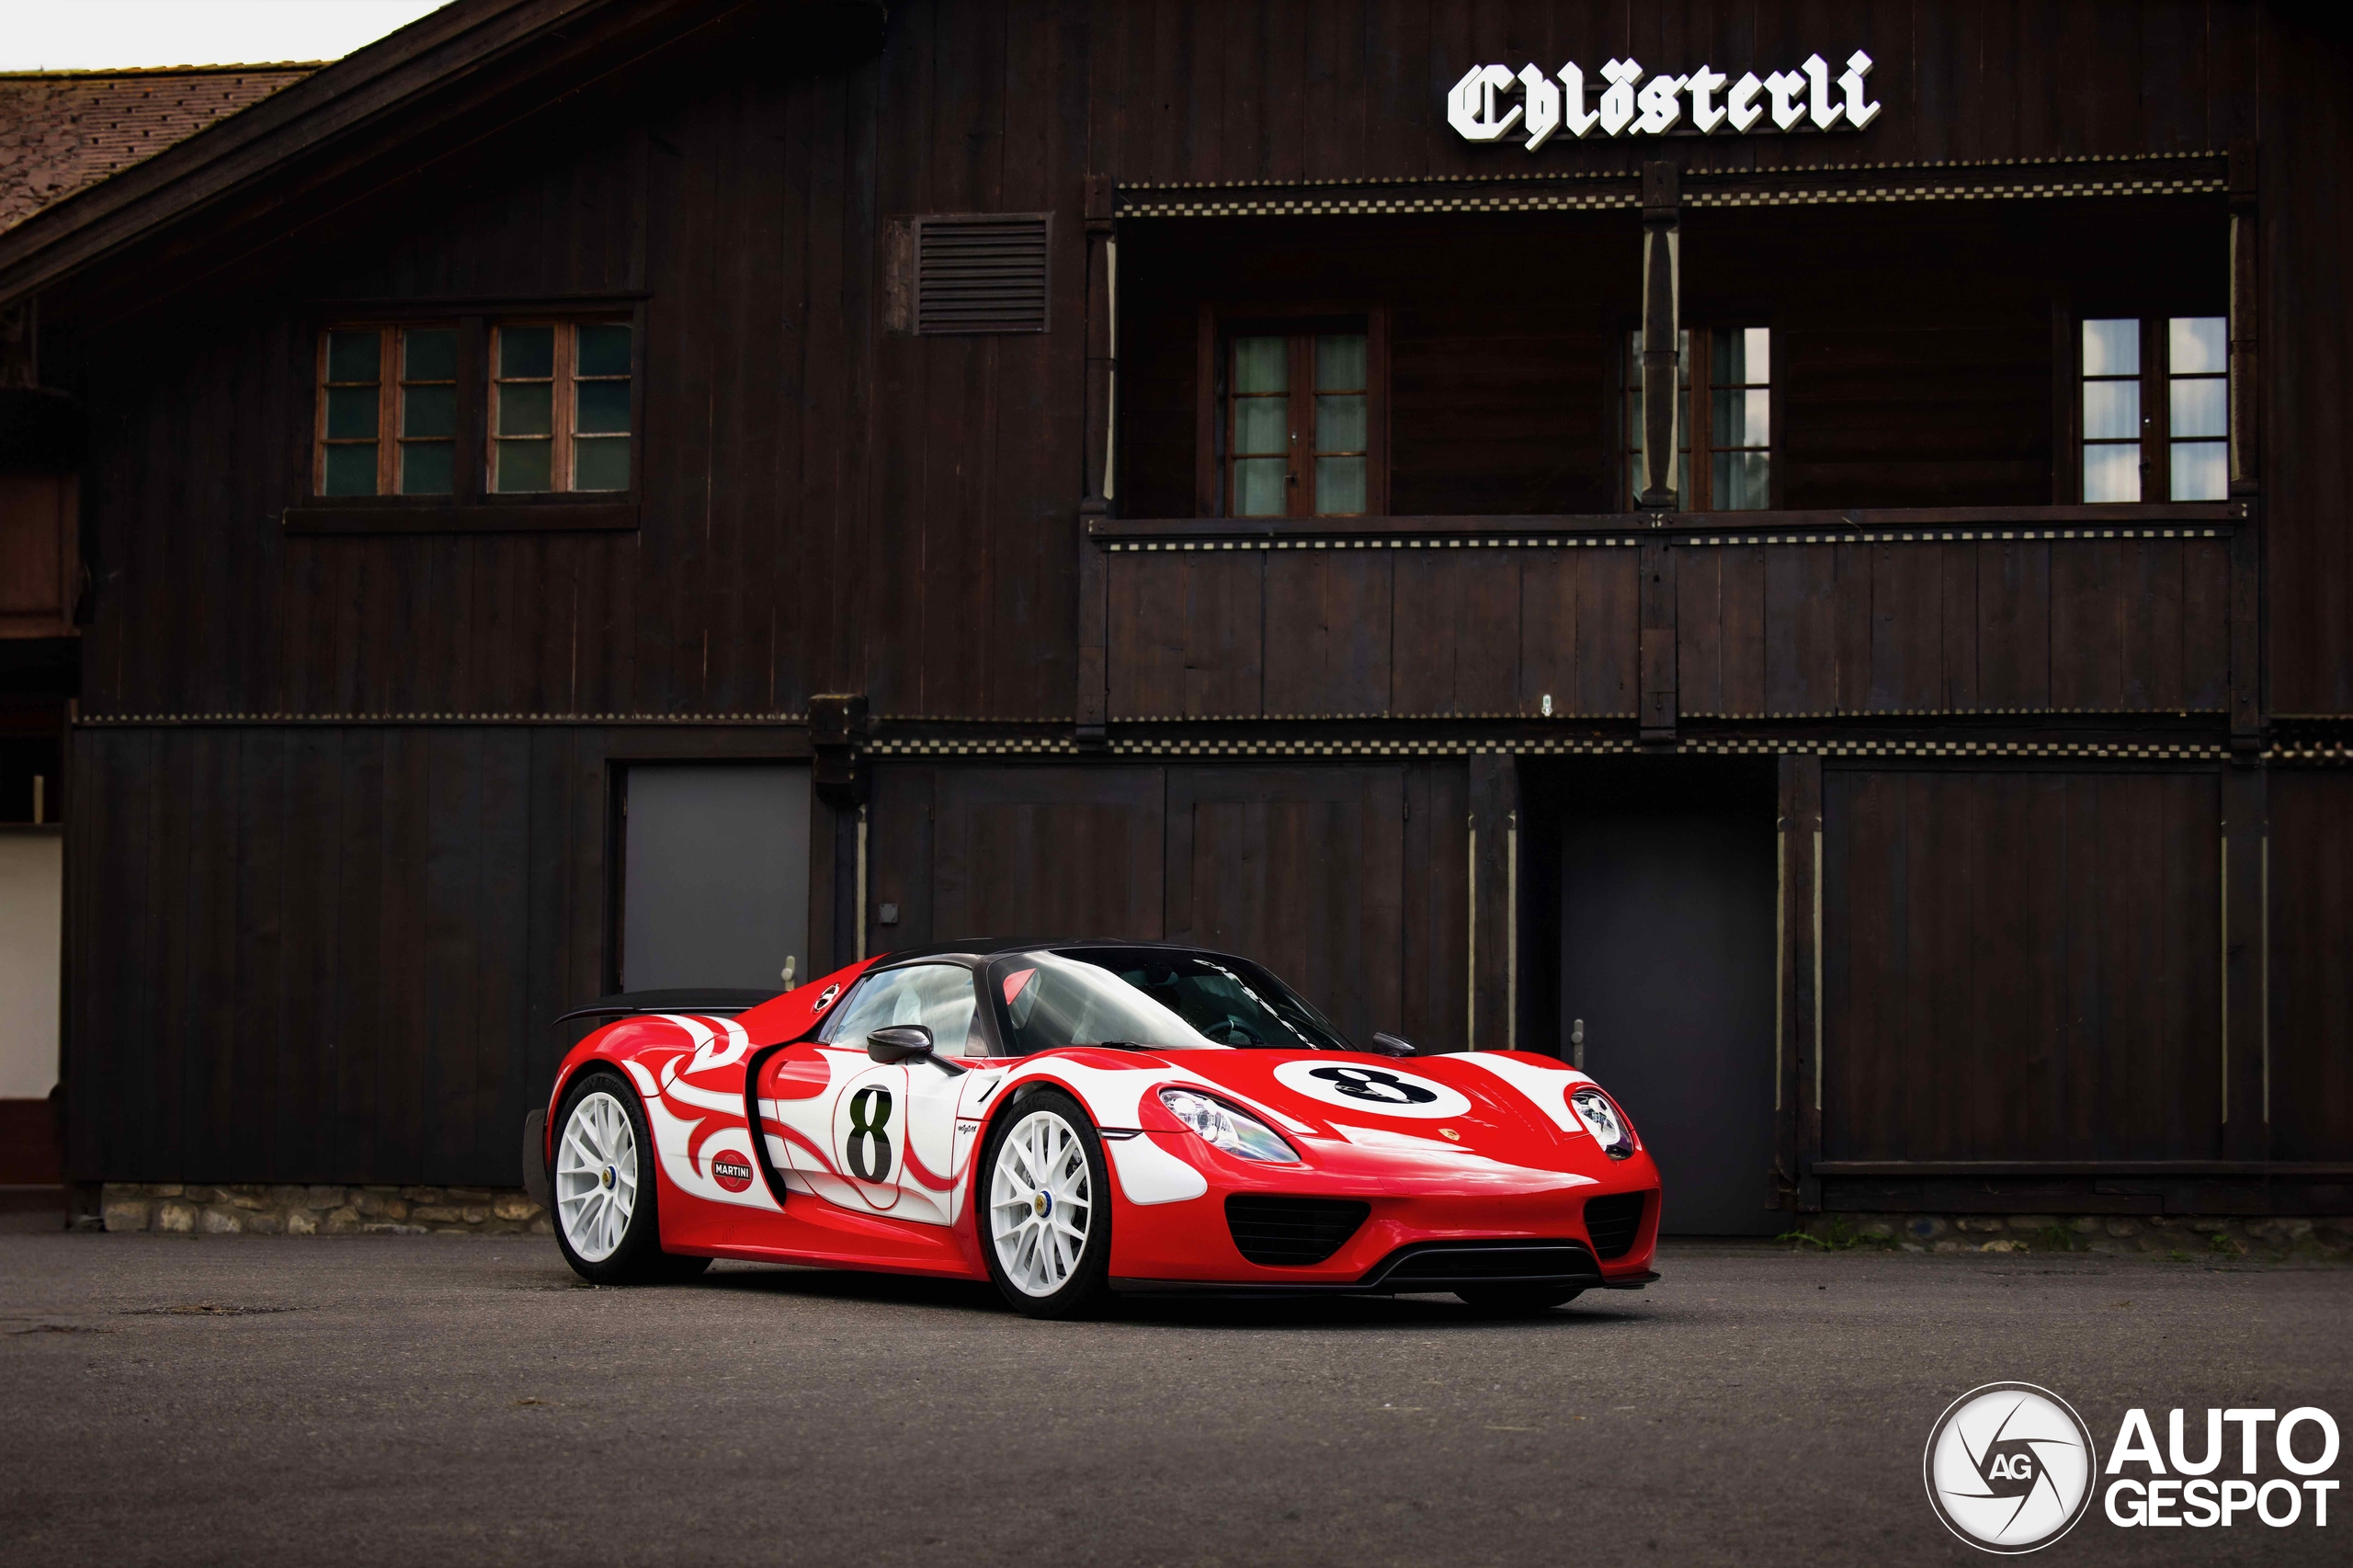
<point>981,272</point>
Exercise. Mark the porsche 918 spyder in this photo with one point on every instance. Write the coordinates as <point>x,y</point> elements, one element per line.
<point>1070,1118</point>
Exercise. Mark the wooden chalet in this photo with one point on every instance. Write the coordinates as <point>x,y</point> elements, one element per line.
<point>1785,550</point>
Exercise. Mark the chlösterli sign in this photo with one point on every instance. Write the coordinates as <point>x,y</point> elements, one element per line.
<point>1492,101</point>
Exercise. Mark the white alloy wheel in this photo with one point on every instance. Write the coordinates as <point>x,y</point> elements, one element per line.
<point>1041,1203</point>
<point>595,1176</point>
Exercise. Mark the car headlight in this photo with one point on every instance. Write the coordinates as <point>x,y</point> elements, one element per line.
<point>1236,1132</point>
<point>1601,1119</point>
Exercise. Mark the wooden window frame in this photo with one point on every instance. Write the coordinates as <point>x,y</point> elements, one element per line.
<point>474,507</point>
<point>1216,327</point>
<point>1697,411</point>
<point>2155,379</point>
<point>563,397</point>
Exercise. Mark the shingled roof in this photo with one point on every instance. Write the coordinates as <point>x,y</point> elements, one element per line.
<point>64,130</point>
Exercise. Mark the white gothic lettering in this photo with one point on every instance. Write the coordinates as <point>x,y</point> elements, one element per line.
<point>1492,101</point>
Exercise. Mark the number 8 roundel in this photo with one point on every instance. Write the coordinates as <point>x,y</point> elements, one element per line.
<point>1382,1091</point>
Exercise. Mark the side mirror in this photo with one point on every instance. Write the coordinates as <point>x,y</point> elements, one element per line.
<point>900,1042</point>
<point>1392,1045</point>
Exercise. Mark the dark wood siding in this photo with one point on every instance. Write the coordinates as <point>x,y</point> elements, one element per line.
<point>2022,966</point>
<point>2310,1060</point>
<point>330,952</point>
<point>1911,620</point>
<point>1347,881</point>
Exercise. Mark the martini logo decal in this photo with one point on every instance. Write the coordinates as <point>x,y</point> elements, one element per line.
<point>1383,1090</point>
<point>2009,1468</point>
<point>731,1172</point>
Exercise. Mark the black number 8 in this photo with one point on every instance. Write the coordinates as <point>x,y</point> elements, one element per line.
<point>870,1146</point>
<point>1372,1084</point>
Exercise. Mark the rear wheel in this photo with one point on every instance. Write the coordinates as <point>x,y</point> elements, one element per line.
<point>1517,1301</point>
<point>1046,1231</point>
<point>606,1220</point>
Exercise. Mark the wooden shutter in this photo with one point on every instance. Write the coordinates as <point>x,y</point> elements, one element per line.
<point>982,273</point>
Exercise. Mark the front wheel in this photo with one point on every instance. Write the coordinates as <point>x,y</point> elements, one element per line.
<point>606,1221</point>
<point>1517,1301</point>
<point>1046,1231</point>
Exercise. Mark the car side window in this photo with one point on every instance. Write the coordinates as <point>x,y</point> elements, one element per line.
<point>937,996</point>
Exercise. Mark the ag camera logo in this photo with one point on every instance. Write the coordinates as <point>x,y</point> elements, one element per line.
<point>2009,1468</point>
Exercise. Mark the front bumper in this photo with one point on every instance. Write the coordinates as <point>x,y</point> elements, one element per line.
<point>1411,1239</point>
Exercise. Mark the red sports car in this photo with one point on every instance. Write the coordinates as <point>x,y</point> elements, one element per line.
<point>1069,1119</point>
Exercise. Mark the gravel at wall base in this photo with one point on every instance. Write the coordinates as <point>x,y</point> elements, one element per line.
<point>250,1208</point>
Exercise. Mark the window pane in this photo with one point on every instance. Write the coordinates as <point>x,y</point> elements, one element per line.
<point>525,465</point>
<point>351,411</point>
<point>2201,407</point>
<point>427,468</point>
<point>2111,348</point>
<point>603,350</point>
<point>526,351</point>
<point>1743,482</point>
<point>1745,356</point>
<point>1261,364</point>
<point>1258,487</point>
<point>1339,487</point>
<point>429,354</point>
<point>351,471</point>
<point>603,407</point>
<point>352,355</point>
<point>1340,361</point>
<point>1744,418</point>
<point>2112,411</point>
<point>2201,470</point>
<point>1340,423</point>
<point>2196,344</point>
<point>1261,425</point>
<point>526,410</point>
<point>2112,474</point>
<point>428,410</point>
<point>600,465</point>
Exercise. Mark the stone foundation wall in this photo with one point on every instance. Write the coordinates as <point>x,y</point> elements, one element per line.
<point>2183,1238</point>
<point>188,1208</point>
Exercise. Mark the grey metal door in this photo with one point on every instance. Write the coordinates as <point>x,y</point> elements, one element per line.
<point>715,875</point>
<point>1666,953</point>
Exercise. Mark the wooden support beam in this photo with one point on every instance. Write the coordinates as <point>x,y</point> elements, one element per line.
<point>2246,321</point>
<point>1657,672</point>
<point>2241,1091</point>
<point>1495,1023</point>
<point>1803,897</point>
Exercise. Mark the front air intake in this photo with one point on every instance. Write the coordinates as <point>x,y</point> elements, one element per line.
<point>1614,1222</point>
<point>1292,1232</point>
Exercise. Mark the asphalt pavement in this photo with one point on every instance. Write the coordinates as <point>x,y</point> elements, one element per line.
<point>261,1400</point>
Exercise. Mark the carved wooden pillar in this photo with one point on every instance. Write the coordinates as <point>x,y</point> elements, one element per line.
<point>1662,316</point>
<point>1101,460</point>
<point>1802,896</point>
<point>2246,448</point>
<point>1662,339</point>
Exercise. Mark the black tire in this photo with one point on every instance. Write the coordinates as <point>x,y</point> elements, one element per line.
<point>636,1256</point>
<point>1086,1287</point>
<point>1517,1301</point>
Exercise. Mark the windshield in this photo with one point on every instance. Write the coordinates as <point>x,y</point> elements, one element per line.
<point>1150,997</point>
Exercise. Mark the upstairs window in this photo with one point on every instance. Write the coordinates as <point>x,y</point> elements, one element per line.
<point>386,411</point>
<point>560,415</point>
<point>2155,408</point>
<point>1299,428</point>
<point>1723,419</point>
<point>535,406</point>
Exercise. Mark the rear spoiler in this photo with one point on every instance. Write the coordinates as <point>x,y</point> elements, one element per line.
<point>692,999</point>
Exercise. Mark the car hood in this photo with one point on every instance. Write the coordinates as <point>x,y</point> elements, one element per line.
<point>1506,1107</point>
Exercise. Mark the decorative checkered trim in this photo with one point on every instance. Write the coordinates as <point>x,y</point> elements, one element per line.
<point>1684,542</point>
<point>1591,745</point>
<point>102,720</point>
